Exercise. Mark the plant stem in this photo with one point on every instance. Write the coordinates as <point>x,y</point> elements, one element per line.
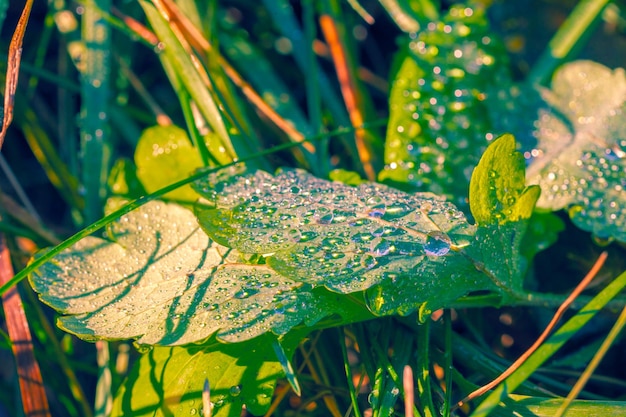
<point>568,40</point>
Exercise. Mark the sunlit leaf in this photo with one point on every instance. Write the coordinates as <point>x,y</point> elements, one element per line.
<point>161,280</point>
<point>168,380</point>
<point>498,191</point>
<point>580,159</point>
<point>123,180</point>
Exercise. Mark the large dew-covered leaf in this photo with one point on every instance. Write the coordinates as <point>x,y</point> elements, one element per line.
<point>344,238</point>
<point>439,121</point>
<point>159,279</point>
<point>580,158</point>
<point>238,373</point>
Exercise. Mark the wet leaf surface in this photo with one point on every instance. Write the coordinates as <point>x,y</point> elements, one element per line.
<point>439,121</point>
<point>329,234</point>
<point>404,249</point>
<point>162,281</point>
<point>580,158</point>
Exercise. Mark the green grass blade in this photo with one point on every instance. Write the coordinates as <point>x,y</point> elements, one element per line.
<point>287,24</point>
<point>568,40</point>
<point>547,407</point>
<point>346,365</point>
<point>184,68</point>
<point>259,72</point>
<point>424,390</point>
<point>593,365</point>
<point>95,93</point>
<point>552,345</point>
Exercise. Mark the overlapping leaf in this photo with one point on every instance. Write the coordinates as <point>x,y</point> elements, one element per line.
<point>344,238</point>
<point>161,280</point>
<point>580,159</point>
<point>276,245</point>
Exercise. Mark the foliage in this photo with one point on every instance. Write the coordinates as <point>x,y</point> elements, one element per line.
<point>227,263</point>
<point>580,162</point>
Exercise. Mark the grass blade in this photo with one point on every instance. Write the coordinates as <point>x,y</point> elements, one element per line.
<point>552,345</point>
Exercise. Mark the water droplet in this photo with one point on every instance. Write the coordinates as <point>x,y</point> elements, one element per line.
<point>245,293</point>
<point>323,215</point>
<point>235,390</point>
<point>368,261</point>
<point>437,243</point>
<point>382,247</point>
<point>294,235</point>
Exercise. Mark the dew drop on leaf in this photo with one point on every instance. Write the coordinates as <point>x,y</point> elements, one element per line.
<point>437,243</point>
<point>294,235</point>
<point>368,261</point>
<point>382,247</point>
<point>235,390</point>
<point>377,207</point>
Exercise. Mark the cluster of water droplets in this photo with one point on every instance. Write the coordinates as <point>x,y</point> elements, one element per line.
<point>326,233</point>
<point>439,124</point>
<point>163,281</point>
<point>580,157</point>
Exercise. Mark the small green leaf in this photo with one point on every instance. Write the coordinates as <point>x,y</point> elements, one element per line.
<point>580,159</point>
<point>168,381</point>
<point>161,280</point>
<point>501,204</point>
<point>498,192</point>
<point>163,156</point>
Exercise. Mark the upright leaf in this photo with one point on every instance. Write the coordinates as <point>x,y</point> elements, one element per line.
<point>439,122</point>
<point>501,203</point>
<point>164,155</point>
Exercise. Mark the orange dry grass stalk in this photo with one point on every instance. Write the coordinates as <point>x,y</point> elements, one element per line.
<point>34,400</point>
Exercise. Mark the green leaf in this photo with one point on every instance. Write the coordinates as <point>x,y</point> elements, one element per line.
<point>581,154</point>
<point>165,155</point>
<point>439,122</point>
<point>498,192</point>
<point>161,280</point>
<point>168,381</point>
<point>501,204</point>
<point>344,238</point>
